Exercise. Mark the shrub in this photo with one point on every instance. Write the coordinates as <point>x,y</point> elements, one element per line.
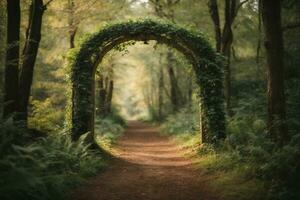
<point>184,121</point>
<point>247,155</point>
<point>108,129</point>
<point>45,169</point>
<point>46,116</point>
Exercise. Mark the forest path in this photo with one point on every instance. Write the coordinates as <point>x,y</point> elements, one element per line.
<point>148,167</point>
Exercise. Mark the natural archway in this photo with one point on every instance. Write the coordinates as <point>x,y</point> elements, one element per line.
<point>207,65</point>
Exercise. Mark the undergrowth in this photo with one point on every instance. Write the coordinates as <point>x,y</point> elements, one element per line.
<point>108,129</point>
<point>247,165</point>
<point>44,169</point>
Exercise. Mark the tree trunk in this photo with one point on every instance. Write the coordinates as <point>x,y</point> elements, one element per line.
<point>71,23</point>
<point>190,90</point>
<point>175,92</point>
<point>271,15</point>
<point>160,92</point>
<point>11,78</point>
<point>102,97</point>
<point>2,51</point>
<point>224,40</point>
<point>109,96</point>
<point>258,48</point>
<point>159,7</point>
<point>33,38</point>
<point>214,13</point>
<point>72,38</point>
<point>227,39</point>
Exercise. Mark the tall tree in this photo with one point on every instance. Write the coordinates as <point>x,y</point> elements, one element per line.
<point>33,38</point>
<point>224,38</point>
<point>163,9</point>
<point>12,57</point>
<point>106,88</point>
<point>259,41</point>
<point>175,93</point>
<point>72,25</point>
<point>102,96</point>
<point>160,88</point>
<point>215,16</point>
<point>271,15</point>
<point>2,49</point>
<point>109,96</point>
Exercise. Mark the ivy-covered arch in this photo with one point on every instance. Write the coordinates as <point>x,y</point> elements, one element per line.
<point>207,65</point>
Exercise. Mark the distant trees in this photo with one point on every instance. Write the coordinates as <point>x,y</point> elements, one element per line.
<point>160,89</point>
<point>163,9</point>
<point>106,87</point>
<point>271,15</point>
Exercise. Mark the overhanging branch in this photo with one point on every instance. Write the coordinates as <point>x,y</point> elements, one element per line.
<point>291,26</point>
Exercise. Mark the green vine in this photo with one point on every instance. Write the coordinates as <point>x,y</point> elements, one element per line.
<point>207,64</point>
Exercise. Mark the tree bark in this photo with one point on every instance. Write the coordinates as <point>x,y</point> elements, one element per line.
<point>102,97</point>
<point>190,90</point>
<point>11,77</point>
<point>227,39</point>
<point>258,48</point>
<point>159,6</point>
<point>214,13</point>
<point>175,91</point>
<point>160,92</point>
<point>224,39</point>
<point>109,96</point>
<point>33,38</point>
<point>71,23</point>
<point>271,15</point>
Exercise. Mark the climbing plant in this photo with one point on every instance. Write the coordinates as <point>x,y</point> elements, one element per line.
<point>207,65</point>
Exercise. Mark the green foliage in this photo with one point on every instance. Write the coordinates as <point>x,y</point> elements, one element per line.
<point>109,129</point>
<point>45,169</point>
<point>293,106</point>
<point>188,123</point>
<point>283,167</point>
<point>247,158</point>
<point>152,115</point>
<point>45,117</point>
<point>207,65</point>
<point>116,118</point>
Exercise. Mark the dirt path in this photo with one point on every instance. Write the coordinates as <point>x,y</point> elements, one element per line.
<point>149,167</point>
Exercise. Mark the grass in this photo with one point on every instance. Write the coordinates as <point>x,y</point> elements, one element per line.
<point>226,174</point>
<point>230,172</point>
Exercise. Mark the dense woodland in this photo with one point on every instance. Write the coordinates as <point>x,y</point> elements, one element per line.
<point>258,42</point>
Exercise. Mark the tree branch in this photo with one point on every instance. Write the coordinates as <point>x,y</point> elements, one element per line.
<point>46,4</point>
<point>291,26</point>
<point>239,6</point>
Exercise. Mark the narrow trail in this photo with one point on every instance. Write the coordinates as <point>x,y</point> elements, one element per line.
<point>148,167</point>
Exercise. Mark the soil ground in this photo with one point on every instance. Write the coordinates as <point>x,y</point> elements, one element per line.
<point>148,167</point>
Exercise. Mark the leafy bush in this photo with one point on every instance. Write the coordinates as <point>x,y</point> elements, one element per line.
<point>283,168</point>
<point>108,129</point>
<point>45,116</point>
<point>45,169</point>
<point>184,121</point>
<point>247,157</point>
